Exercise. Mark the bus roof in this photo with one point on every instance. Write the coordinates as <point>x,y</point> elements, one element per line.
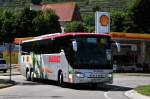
<point>74,34</point>
<point>57,35</point>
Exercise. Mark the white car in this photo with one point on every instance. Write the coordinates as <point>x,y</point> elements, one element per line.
<point>3,66</point>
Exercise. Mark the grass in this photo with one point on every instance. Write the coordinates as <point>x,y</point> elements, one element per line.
<point>145,90</point>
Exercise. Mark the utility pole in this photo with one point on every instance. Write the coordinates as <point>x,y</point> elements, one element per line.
<point>10,47</point>
<point>10,59</point>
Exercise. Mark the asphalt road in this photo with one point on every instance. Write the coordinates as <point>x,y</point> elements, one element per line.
<point>49,90</point>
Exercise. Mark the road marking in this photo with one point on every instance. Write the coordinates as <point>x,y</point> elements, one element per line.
<point>106,95</point>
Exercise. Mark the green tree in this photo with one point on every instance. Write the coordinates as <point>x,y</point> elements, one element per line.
<point>139,13</point>
<point>24,22</point>
<point>117,21</point>
<point>129,25</point>
<point>46,22</point>
<point>27,23</point>
<point>75,26</point>
<point>1,22</point>
<point>89,22</point>
<point>8,27</point>
<point>96,8</point>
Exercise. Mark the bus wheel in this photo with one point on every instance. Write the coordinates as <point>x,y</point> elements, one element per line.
<point>32,76</point>
<point>28,76</point>
<point>60,79</point>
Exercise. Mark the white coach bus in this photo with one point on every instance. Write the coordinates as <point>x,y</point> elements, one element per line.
<point>76,58</point>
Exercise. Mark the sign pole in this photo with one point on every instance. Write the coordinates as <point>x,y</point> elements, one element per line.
<point>102,22</point>
<point>10,47</point>
<point>10,61</point>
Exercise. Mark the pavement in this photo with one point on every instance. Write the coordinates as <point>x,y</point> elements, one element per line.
<point>132,94</point>
<point>4,83</point>
<point>15,70</point>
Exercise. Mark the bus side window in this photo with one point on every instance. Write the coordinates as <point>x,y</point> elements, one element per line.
<point>25,49</point>
<point>46,46</point>
<point>38,47</point>
<point>34,47</point>
<point>56,46</point>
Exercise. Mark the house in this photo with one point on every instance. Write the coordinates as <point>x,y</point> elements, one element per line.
<point>67,12</point>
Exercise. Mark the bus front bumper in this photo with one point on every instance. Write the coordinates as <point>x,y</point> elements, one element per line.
<point>107,79</point>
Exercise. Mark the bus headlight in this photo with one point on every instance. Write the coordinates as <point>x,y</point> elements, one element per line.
<point>70,78</point>
<point>109,75</point>
<point>80,75</point>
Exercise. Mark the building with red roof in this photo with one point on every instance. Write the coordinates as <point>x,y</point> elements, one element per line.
<point>67,12</point>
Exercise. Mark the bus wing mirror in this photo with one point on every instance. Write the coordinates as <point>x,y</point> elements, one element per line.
<point>118,46</point>
<point>74,45</point>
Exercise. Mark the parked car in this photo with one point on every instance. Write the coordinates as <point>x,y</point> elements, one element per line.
<point>3,66</point>
<point>119,68</point>
<point>133,68</point>
<point>130,68</point>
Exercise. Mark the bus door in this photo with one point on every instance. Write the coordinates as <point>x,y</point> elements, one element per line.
<point>51,63</point>
<point>64,66</point>
<point>37,65</point>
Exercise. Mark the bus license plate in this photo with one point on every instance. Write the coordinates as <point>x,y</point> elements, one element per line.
<point>95,80</point>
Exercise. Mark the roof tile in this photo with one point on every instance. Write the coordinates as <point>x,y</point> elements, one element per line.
<point>65,11</point>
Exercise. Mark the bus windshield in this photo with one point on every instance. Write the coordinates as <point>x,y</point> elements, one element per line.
<point>91,53</point>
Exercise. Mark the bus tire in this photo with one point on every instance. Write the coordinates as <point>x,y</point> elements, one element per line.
<point>28,76</point>
<point>60,79</point>
<point>32,76</point>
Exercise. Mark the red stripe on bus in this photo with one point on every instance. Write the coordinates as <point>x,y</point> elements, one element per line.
<point>76,34</point>
<point>54,59</point>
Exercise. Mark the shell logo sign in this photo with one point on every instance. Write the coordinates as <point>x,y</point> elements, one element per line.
<point>102,22</point>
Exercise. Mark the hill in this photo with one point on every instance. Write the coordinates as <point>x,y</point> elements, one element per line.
<point>90,6</point>
<point>9,4</point>
<point>86,6</point>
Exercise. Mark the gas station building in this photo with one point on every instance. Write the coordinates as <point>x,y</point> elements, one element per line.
<point>135,50</point>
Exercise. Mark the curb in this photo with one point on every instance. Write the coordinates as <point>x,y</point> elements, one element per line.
<point>134,95</point>
<point>8,85</point>
<point>2,87</point>
<point>11,74</point>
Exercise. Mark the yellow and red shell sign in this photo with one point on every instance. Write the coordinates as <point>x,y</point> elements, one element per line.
<point>104,20</point>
